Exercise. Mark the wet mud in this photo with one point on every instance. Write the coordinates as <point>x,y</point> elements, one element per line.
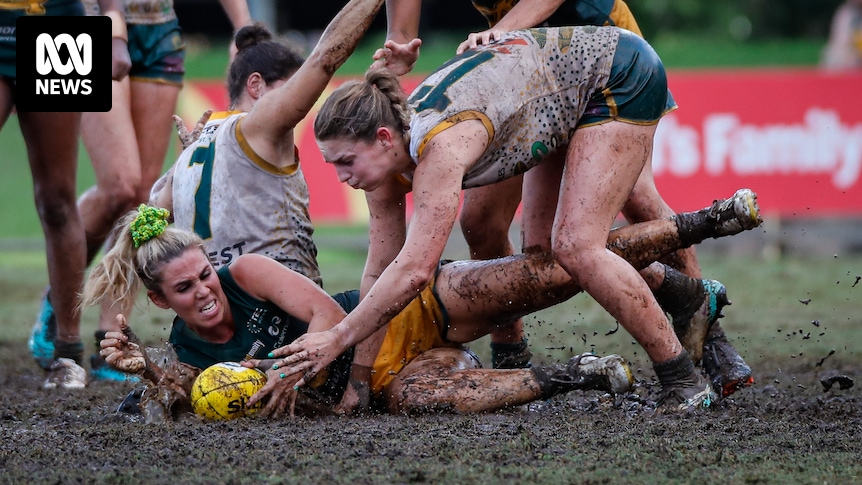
<point>796,425</point>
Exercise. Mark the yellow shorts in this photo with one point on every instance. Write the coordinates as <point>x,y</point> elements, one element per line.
<point>419,327</point>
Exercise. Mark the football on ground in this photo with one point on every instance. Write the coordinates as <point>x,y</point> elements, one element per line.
<point>222,390</point>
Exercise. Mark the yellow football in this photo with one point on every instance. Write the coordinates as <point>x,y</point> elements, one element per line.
<point>222,390</point>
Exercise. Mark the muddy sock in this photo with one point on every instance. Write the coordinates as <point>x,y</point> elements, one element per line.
<point>96,359</point>
<point>693,227</point>
<point>676,370</point>
<point>679,295</point>
<point>511,356</point>
<point>69,350</point>
<point>548,386</point>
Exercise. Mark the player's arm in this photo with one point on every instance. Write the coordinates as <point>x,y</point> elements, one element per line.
<point>239,16</point>
<point>267,125</point>
<point>524,15</point>
<point>237,12</point>
<point>838,53</point>
<point>402,20</point>
<point>268,280</point>
<point>121,62</point>
<point>387,230</point>
<point>161,195</point>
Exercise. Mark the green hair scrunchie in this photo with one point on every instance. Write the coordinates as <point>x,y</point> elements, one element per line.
<point>150,222</point>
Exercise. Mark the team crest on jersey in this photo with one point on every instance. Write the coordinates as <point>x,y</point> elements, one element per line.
<point>255,322</point>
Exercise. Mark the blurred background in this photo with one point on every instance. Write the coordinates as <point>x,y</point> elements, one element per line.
<point>757,109</point>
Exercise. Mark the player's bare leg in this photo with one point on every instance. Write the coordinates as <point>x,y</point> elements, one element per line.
<point>478,295</point>
<point>52,148</point>
<point>486,216</point>
<point>450,379</point>
<point>731,372</point>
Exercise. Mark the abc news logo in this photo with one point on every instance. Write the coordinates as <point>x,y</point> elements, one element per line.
<point>63,64</point>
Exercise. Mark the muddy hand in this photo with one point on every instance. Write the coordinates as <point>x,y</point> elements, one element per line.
<point>309,354</point>
<point>279,393</point>
<point>186,137</point>
<point>151,370</point>
<point>398,58</point>
<point>122,351</point>
<point>478,38</point>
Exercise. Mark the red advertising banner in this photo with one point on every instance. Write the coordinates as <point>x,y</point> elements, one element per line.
<point>794,136</point>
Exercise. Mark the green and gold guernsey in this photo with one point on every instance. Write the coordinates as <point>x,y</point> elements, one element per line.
<point>261,327</point>
<point>529,90</point>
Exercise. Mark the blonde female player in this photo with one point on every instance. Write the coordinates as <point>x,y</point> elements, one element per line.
<point>128,144</point>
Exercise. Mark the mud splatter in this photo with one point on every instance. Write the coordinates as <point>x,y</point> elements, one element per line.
<point>820,363</point>
<point>843,382</point>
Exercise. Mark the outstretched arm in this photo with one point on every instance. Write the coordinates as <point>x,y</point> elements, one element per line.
<point>267,125</point>
<point>436,188</point>
<point>402,20</point>
<point>268,280</point>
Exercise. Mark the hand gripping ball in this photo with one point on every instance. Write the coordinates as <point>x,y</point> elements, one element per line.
<point>222,390</point>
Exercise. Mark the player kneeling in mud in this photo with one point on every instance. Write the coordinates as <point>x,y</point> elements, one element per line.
<point>247,311</point>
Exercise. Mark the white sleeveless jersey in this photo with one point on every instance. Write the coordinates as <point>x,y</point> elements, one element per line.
<point>239,203</point>
<point>529,89</point>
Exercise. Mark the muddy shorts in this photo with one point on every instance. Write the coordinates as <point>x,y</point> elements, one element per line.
<point>9,13</point>
<point>421,326</point>
<point>158,53</point>
<point>637,88</point>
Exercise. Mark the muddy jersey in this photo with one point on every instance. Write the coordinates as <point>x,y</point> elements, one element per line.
<point>239,203</point>
<point>261,327</point>
<point>529,90</point>
<point>140,11</point>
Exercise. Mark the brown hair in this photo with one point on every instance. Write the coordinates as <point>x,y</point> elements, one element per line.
<point>357,108</point>
<point>257,52</point>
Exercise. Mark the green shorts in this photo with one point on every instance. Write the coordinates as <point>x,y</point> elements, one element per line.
<point>637,88</point>
<point>158,53</point>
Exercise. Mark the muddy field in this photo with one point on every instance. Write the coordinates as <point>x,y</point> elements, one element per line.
<point>786,429</point>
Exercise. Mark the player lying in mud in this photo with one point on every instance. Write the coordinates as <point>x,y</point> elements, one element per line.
<point>422,364</point>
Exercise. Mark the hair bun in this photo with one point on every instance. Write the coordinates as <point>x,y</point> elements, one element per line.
<point>251,35</point>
